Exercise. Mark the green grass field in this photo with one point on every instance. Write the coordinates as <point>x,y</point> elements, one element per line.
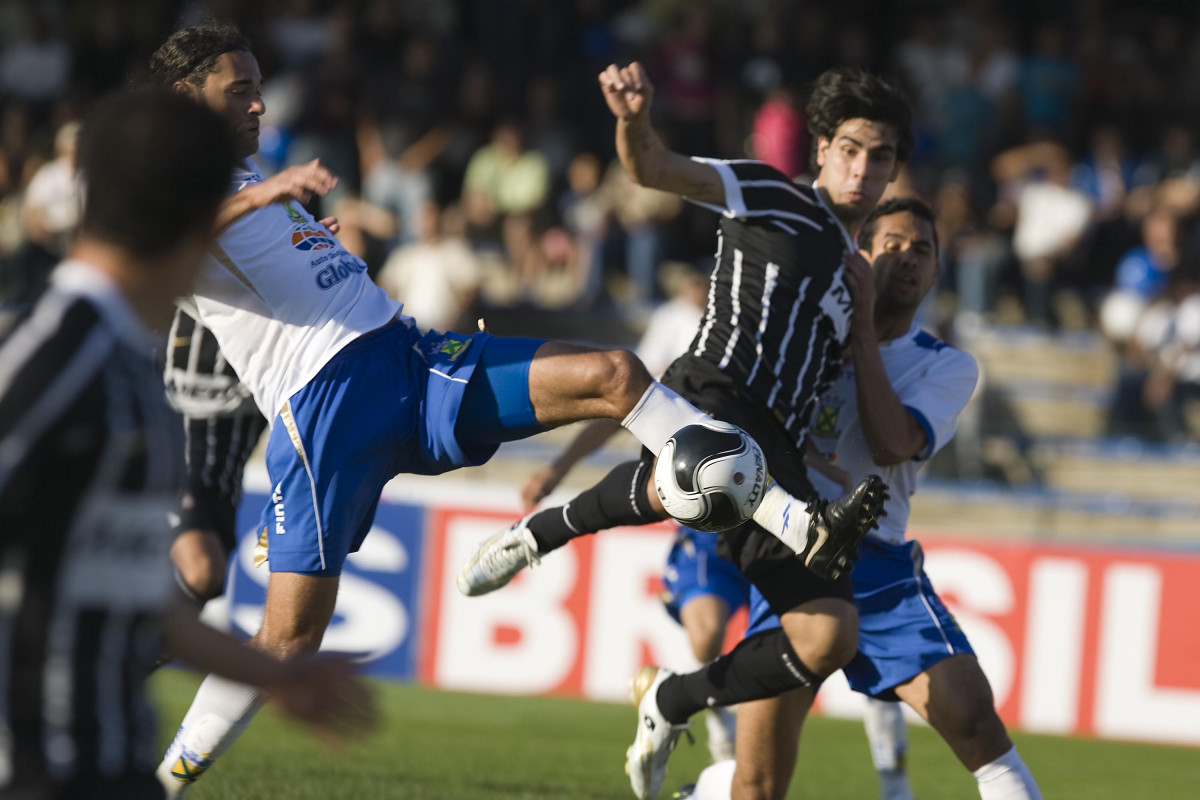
<point>445,746</point>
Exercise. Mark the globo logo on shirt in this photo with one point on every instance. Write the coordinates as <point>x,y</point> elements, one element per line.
<point>307,236</point>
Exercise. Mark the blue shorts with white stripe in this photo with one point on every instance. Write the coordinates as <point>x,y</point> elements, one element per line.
<point>904,628</point>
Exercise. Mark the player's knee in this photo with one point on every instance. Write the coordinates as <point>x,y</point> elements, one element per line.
<point>620,377</point>
<point>706,638</point>
<point>826,648</point>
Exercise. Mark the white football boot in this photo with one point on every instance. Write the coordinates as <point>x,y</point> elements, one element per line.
<point>646,758</point>
<point>498,559</point>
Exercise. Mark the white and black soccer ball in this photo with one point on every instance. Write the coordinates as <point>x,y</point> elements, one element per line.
<point>710,476</point>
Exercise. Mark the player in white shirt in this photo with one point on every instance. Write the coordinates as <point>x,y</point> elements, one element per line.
<point>356,394</point>
<point>894,405</point>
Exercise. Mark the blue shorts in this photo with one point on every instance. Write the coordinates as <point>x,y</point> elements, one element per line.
<point>903,628</point>
<point>389,402</point>
<point>695,569</point>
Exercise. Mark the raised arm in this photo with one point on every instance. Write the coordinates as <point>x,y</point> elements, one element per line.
<point>648,162</point>
<point>300,182</point>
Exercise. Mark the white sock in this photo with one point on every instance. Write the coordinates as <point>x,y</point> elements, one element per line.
<point>888,737</point>
<point>716,782</point>
<point>1007,778</point>
<point>220,713</point>
<point>722,733</point>
<point>784,516</point>
<point>658,415</point>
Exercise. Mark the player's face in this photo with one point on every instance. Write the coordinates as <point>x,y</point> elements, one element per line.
<point>856,165</point>
<point>904,258</point>
<point>234,91</point>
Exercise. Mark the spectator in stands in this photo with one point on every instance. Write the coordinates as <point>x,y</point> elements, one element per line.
<point>641,215</point>
<point>1049,218</point>
<point>438,275</point>
<point>504,185</point>
<point>54,197</point>
<point>38,66</point>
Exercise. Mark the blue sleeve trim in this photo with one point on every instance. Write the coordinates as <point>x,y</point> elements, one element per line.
<point>932,440</point>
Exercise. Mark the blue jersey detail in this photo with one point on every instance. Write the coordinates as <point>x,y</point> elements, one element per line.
<point>928,341</point>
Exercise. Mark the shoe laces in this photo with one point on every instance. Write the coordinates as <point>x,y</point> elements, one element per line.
<point>498,557</point>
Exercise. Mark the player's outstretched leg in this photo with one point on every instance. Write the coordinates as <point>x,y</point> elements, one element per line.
<point>646,759</point>
<point>825,535</point>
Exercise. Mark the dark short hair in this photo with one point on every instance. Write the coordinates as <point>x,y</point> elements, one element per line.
<point>897,205</point>
<point>846,93</point>
<point>191,54</point>
<point>156,165</point>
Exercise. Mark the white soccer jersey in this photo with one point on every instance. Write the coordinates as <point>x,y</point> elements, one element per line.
<point>933,380</point>
<point>283,296</point>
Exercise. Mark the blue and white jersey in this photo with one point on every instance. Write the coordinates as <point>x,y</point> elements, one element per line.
<point>283,296</point>
<point>933,380</point>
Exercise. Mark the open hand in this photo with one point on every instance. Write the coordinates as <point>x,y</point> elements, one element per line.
<point>326,693</point>
<point>296,183</point>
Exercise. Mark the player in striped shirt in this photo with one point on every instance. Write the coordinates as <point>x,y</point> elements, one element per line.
<point>777,320</point>
<point>91,464</point>
<point>895,404</point>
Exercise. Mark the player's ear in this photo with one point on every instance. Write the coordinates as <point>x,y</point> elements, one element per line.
<point>186,89</point>
<point>822,149</point>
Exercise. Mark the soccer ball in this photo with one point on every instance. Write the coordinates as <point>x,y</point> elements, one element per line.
<point>710,476</point>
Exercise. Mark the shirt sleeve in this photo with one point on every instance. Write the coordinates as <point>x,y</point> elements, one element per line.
<point>755,188</point>
<point>939,396</point>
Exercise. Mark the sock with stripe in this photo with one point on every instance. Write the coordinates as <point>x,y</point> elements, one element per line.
<point>764,665</point>
<point>220,713</point>
<point>622,497</point>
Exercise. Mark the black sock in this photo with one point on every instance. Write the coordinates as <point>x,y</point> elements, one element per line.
<point>765,665</point>
<point>620,498</point>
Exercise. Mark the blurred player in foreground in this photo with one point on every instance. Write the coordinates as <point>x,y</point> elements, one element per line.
<point>92,465</point>
<point>355,392</point>
<point>895,404</point>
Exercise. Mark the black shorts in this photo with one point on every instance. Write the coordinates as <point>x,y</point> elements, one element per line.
<point>218,448</point>
<point>765,561</point>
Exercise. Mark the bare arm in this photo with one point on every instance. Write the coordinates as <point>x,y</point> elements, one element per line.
<point>646,159</point>
<point>323,692</point>
<point>893,434</point>
<point>294,183</point>
<point>589,440</point>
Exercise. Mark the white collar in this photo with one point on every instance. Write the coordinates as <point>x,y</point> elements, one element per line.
<point>80,278</point>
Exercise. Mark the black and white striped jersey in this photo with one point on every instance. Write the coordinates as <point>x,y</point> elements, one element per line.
<point>778,311</point>
<point>222,421</point>
<point>91,465</point>
<point>200,382</point>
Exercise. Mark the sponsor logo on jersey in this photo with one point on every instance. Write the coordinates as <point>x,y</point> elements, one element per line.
<point>307,236</point>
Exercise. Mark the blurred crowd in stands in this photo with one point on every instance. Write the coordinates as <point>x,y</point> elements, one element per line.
<point>1056,139</point>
